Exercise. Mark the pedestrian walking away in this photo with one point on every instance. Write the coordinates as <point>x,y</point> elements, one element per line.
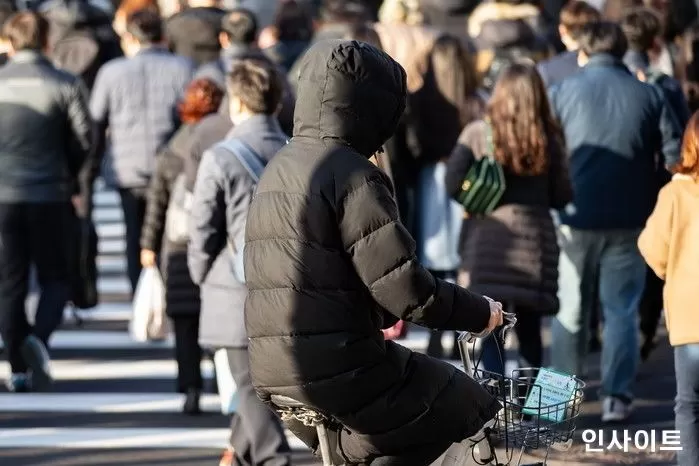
<point>224,186</point>
<point>168,198</point>
<point>134,100</point>
<point>614,180</point>
<point>669,245</point>
<point>38,178</point>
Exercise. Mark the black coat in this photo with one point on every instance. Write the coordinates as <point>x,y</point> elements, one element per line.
<point>81,37</point>
<point>328,264</point>
<point>512,254</point>
<point>181,295</point>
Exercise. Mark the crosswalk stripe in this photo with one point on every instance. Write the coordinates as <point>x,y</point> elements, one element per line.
<point>81,339</point>
<point>119,438</point>
<point>101,402</point>
<point>128,391</point>
<point>80,369</point>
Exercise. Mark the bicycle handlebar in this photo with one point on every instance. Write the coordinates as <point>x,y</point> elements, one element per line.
<point>464,338</point>
<point>509,320</point>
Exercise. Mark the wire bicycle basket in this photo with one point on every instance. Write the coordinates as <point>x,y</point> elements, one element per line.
<point>527,420</point>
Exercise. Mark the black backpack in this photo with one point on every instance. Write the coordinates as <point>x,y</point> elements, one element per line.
<point>83,50</point>
<point>78,52</point>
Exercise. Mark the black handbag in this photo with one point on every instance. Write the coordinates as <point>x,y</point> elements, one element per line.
<point>83,256</point>
<point>484,183</point>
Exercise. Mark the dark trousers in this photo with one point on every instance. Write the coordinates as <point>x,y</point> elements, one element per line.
<point>420,456</point>
<point>32,234</point>
<point>416,456</point>
<point>651,306</point>
<point>133,204</point>
<point>528,331</point>
<point>257,435</point>
<point>187,353</point>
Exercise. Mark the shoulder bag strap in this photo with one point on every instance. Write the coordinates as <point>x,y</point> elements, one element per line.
<point>252,162</point>
<point>489,146</point>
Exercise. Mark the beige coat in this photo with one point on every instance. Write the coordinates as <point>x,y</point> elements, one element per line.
<point>410,46</point>
<point>670,245</point>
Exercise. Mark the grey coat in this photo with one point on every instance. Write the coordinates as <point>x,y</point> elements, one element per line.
<point>136,98</point>
<point>222,195</point>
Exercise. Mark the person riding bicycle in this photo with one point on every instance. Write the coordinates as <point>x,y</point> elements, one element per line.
<point>328,265</point>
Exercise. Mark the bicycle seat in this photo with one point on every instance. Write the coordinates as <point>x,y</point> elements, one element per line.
<point>282,401</point>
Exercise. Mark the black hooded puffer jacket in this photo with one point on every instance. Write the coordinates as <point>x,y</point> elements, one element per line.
<point>328,264</point>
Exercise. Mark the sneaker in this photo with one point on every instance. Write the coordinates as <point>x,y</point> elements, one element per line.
<point>615,409</point>
<point>37,358</point>
<point>18,383</point>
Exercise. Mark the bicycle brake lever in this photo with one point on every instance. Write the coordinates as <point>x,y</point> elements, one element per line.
<point>509,320</point>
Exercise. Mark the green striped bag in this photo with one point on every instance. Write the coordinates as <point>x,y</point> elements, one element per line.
<point>484,183</point>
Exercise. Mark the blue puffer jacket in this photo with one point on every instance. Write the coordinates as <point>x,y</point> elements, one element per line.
<point>614,126</point>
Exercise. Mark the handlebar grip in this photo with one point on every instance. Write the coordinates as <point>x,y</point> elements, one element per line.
<point>509,320</point>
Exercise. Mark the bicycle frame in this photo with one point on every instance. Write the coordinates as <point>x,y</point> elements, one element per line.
<point>459,454</point>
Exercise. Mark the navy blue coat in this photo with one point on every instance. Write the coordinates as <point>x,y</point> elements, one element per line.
<point>614,126</point>
<point>558,68</point>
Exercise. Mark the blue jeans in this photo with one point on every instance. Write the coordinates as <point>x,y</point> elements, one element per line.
<point>687,403</point>
<point>621,275</point>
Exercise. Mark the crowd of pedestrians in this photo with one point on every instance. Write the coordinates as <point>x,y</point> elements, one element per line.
<point>182,108</point>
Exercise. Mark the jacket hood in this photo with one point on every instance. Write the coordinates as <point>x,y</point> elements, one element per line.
<point>350,93</point>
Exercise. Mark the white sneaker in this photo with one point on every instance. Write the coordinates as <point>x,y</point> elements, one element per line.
<point>615,409</point>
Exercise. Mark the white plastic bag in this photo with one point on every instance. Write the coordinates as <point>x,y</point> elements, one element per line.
<point>148,321</point>
<point>227,388</point>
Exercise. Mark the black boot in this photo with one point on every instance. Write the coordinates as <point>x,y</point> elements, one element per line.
<point>191,404</point>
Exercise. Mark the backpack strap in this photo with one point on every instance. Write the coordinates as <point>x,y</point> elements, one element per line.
<point>253,163</point>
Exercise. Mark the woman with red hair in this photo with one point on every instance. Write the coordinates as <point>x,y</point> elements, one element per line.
<point>201,98</point>
<point>669,245</point>
<point>127,8</point>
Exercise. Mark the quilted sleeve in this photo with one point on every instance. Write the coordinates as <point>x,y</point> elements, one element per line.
<point>383,254</point>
